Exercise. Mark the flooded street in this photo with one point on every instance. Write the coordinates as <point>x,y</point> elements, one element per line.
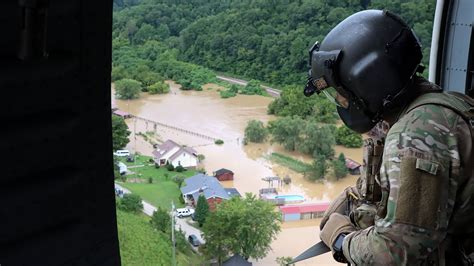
<point>206,113</point>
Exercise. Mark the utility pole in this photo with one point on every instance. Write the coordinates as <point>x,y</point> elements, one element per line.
<point>173,242</point>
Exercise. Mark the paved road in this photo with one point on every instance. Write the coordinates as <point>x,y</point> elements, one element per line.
<point>148,209</point>
<point>273,92</point>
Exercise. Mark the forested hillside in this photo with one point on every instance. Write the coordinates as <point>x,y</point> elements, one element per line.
<point>261,39</point>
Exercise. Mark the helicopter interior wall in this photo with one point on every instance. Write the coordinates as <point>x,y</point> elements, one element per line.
<point>58,203</point>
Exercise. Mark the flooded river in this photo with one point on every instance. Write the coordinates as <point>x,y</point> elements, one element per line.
<point>206,113</point>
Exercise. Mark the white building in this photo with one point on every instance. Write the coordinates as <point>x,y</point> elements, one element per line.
<point>175,154</point>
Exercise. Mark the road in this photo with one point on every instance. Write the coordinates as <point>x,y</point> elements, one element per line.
<point>148,209</point>
<point>272,91</point>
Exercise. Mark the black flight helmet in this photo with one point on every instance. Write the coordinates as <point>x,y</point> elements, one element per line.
<point>370,59</point>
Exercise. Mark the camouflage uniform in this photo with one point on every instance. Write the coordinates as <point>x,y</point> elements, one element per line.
<point>427,181</point>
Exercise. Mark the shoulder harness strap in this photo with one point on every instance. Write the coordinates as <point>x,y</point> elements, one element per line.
<point>462,104</point>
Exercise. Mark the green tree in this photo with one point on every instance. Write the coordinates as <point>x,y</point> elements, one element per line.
<point>161,220</point>
<point>339,166</point>
<point>159,87</point>
<point>318,169</point>
<point>241,226</point>
<point>178,180</point>
<point>145,33</point>
<point>284,261</point>
<point>347,137</point>
<point>118,73</point>
<point>127,89</point>
<point>252,87</point>
<point>255,131</point>
<point>202,210</point>
<point>317,140</point>
<point>120,133</point>
<point>131,203</point>
<point>287,131</point>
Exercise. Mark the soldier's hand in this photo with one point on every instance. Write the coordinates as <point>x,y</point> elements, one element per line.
<point>336,225</point>
<point>339,205</point>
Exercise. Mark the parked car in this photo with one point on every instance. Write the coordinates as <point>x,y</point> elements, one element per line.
<point>122,153</point>
<point>122,168</point>
<point>194,240</point>
<point>184,212</point>
<point>130,159</point>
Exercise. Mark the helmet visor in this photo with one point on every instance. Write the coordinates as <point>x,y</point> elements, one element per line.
<point>336,98</point>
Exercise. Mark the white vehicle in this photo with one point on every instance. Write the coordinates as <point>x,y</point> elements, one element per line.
<point>184,212</point>
<point>122,153</point>
<point>122,168</point>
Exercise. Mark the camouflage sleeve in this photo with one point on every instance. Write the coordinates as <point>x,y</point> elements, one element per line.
<point>420,163</point>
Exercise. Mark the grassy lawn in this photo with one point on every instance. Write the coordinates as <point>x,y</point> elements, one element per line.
<point>162,190</point>
<point>293,164</point>
<point>140,244</point>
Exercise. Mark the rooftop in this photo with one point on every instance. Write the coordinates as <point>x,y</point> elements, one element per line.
<point>222,171</point>
<point>209,186</point>
<point>303,208</point>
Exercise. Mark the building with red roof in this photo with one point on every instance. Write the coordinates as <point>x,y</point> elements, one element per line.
<point>303,211</point>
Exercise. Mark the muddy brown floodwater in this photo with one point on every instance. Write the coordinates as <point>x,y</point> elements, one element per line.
<point>206,113</point>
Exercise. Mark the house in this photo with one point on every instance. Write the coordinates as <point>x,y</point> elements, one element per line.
<point>303,211</point>
<point>175,154</point>
<point>208,186</point>
<point>353,167</point>
<point>224,174</point>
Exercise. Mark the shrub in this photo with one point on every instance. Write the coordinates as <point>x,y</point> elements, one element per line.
<point>170,167</point>
<point>219,142</point>
<point>150,180</point>
<point>234,88</point>
<point>131,203</point>
<point>161,220</point>
<point>227,94</point>
<point>157,166</point>
<point>159,87</point>
<point>180,169</point>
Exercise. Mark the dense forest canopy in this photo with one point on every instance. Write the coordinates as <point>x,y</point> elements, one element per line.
<point>260,39</point>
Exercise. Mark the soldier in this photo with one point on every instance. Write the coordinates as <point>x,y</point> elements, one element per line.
<point>414,203</point>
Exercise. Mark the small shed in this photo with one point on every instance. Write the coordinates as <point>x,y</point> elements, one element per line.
<point>224,174</point>
<point>353,167</point>
<point>303,211</point>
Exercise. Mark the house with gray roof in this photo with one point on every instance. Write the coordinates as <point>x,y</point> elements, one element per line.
<point>175,154</point>
<point>205,185</point>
